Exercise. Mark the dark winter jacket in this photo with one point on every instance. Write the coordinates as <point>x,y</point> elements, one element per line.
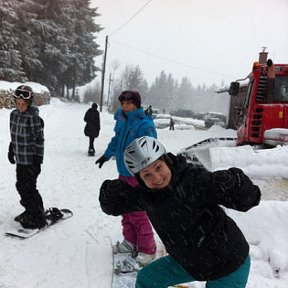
<point>195,230</point>
<point>27,136</point>
<point>92,119</point>
<point>132,125</point>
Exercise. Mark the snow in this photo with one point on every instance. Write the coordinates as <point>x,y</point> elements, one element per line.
<point>36,87</point>
<point>77,253</point>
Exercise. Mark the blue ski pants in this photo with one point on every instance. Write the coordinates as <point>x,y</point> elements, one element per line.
<point>166,271</point>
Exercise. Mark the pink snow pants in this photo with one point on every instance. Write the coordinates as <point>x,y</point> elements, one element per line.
<point>137,229</point>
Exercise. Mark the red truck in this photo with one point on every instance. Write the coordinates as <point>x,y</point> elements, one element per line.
<point>263,116</point>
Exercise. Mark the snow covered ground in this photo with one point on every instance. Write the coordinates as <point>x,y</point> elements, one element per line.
<point>77,253</point>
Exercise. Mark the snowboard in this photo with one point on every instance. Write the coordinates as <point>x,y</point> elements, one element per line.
<point>125,267</point>
<point>52,218</point>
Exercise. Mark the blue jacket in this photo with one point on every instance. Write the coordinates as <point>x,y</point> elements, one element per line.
<point>128,127</point>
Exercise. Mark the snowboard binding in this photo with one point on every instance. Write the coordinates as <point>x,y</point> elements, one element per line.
<point>53,214</point>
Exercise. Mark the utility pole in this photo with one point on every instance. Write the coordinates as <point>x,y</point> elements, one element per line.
<point>109,88</point>
<point>103,73</point>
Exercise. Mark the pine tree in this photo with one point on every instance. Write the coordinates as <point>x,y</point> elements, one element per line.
<point>10,56</point>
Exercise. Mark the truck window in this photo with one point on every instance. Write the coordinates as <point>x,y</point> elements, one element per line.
<point>281,89</point>
<point>248,95</point>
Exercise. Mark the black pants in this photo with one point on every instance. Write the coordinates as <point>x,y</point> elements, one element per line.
<point>91,143</point>
<point>26,182</point>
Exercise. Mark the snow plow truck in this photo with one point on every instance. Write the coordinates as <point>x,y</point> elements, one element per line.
<point>259,113</point>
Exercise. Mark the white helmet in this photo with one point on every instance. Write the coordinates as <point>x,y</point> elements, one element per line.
<point>142,152</point>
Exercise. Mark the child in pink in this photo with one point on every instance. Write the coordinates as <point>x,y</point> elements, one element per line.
<point>131,122</point>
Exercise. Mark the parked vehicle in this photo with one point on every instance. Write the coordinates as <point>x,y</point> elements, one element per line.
<point>155,112</point>
<point>214,118</point>
<point>162,121</point>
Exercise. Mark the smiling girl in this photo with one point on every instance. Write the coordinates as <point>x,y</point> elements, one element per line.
<point>183,205</point>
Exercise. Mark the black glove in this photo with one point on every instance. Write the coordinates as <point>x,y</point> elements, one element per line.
<point>240,176</point>
<point>101,161</point>
<point>37,159</point>
<point>229,179</point>
<point>11,155</point>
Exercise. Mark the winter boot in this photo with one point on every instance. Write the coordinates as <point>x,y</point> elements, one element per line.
<point>20,216</point>
<point>123,247</point>
<point>144,259</point>
<point>30,221</point>
<point>91,152</point>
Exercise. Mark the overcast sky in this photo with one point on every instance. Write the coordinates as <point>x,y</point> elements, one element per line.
<point>206,40</point>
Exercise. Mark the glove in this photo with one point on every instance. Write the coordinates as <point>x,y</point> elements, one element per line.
<point>229,179</point>
<point>11,156</point>
<point>238,173</point>
<point>37,159</point>
<point>101,161</point>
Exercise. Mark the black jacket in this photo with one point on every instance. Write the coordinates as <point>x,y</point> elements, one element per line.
<point>92,120</point>
<point>195,230</point>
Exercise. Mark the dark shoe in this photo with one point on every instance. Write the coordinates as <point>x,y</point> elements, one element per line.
<point>91,152</point>
<point>20,216</point>
<point>31,222</point>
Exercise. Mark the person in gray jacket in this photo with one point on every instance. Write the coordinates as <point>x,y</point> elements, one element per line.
<point>183,203</point>
<point>26,149</point>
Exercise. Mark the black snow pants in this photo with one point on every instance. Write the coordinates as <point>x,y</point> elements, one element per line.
<point>91,143</point>
<point>26,182</point>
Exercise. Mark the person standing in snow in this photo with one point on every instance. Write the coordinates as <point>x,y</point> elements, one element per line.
<point>183,205</point>
<point>131,122</point>
<point>92,127</point>
<point>26,149</point>
<point>171,127</point>
<point>149,110</point>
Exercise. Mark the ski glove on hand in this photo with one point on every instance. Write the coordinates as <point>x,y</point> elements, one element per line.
<point>37,159</point>
<point>229,179</point>
<point>101,161</point>
<point>11,156</point>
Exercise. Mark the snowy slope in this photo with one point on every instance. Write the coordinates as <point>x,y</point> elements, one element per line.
<point>76,253</point>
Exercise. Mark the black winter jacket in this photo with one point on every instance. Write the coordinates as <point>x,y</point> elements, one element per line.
<point>195,230</point>
<point>92,120</point>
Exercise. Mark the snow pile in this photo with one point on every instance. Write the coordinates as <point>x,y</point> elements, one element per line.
<point>36,87</point>
<point>256,163</point>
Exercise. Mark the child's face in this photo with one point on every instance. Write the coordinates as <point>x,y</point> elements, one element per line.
<point>21,105</point>
<point>157,175</point>
<point>127,106</point>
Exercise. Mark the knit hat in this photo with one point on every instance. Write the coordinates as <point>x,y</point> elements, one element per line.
<point>94,106</point>
<point>131,96</point>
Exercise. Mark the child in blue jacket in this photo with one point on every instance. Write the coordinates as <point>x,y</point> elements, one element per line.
<point>131,122</point>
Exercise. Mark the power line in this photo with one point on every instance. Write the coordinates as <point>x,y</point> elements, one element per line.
<point>133,16</point>
<point>173,61</point>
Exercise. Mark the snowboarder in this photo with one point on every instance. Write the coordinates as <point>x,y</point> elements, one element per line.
<point>26,149</point>
<point>92,127</point>
<point>131,122</point>
<point>183,204</point>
